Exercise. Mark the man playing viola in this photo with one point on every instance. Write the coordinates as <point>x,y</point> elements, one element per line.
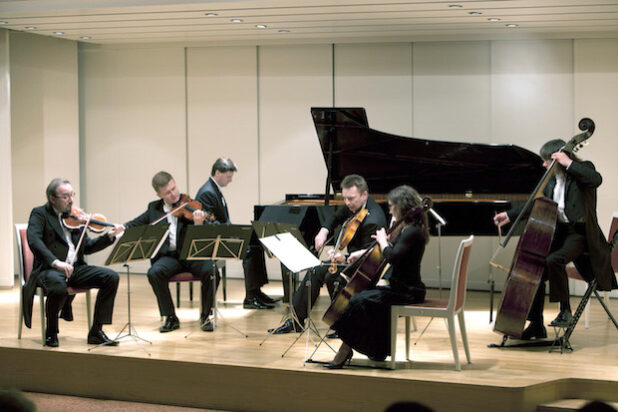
<point>58,265</point>
<point>356,197</point>
<point>167,263</point>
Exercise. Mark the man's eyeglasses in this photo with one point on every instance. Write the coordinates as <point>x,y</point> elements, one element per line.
<point>65,196</point>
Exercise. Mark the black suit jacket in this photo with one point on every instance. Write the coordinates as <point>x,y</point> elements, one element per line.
<point>211,199</point>
<point>47,240</point>
<point>154,212</point>
<point>374,220</point>
<point>580,205</point>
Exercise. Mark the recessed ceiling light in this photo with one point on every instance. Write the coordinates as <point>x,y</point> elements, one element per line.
<point>211,14</point>
<point>475,13</point>
<point>59,33</point>
<point>455,6</point>
<point>236,20</point>
<point>494,19</point>
<point>512,25</point>
<point>284,31</point>
<point>30,28</point>
<point>261,26</point>
<point>85,37</point>
<point>3,22</point>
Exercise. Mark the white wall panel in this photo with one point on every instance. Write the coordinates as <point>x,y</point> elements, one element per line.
<point>452,91</point>
<point>133,125</point>
<point>6,172</point>
<point>292,79</point>
<point>377,77</point>
<point>532,91</point>
<point>222,121</point>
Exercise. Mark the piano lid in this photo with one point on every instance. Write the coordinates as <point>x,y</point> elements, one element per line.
<point>430,166</point>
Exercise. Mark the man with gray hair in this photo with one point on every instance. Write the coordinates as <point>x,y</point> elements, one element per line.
<point>254,266</point>
<point>58,265</point>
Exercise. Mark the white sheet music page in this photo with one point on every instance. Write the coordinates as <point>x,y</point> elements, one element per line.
<point>290,252</point>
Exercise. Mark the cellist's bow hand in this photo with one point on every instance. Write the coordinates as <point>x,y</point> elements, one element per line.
<point>355,255</point>
<point>335,255</point>
<point>320,238</point>
<point>501,219</point>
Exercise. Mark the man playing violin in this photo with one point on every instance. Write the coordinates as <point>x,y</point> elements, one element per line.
<point>356,197</point>
<point>574,188</point>
<point>54,248</point>
<point>254,266</point>
<point>167,263</point>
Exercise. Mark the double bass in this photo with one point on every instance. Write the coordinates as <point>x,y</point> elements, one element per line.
<point>532,249</point>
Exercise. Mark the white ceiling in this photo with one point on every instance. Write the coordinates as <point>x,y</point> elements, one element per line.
<point>186,21</point>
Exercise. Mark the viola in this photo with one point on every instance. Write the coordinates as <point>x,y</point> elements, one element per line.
<point>185,208</point>
<point>347,234</point>
<point>77,219</point>
<point>369,271</point>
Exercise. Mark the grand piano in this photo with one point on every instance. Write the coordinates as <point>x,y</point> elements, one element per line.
<point>468,182</point>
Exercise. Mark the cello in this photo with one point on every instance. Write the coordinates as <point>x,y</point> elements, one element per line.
<point>533,247</point>
<point>368,272</point>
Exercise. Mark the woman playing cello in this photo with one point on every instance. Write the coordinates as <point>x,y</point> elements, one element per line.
<point>364,324</point>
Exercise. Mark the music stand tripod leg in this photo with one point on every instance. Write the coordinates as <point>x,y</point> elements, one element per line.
<point>291,313</point>
<point>131,332</point>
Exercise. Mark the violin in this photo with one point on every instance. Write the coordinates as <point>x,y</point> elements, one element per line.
<point>186,207</point>
<point>77,219</point>
<point>347,234</point>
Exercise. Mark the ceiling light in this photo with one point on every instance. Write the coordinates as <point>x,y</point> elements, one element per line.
<point>59,33</point>
<point>261,26</point>
<point>236,20</point>
<point>284,31</point>
<point>211,14</point>
<point>30,28</point>
<point>512,25</point>
<point>494,19</point>
<point>475,13</point>
<point>455,6</point>
<point>85,37</point>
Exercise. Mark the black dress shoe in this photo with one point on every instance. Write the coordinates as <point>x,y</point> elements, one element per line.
<point>171,323</point>
<point>267,299</point>
<point>339,365</point>
<point>51,340</point>
<point>563,319</point>
<point>287,327</point>
<point>333,335</point>
<point>534,330</point>
<point>206,325</point>
<point>255,303</point>
<point>98,337</point>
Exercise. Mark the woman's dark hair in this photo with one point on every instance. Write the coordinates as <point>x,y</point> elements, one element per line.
<point>405,198</point>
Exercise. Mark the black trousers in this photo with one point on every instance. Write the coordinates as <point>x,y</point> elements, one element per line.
<point>55,283</point>
<point>318,277</point>
<point>167,266</point>
<point>568,244</point>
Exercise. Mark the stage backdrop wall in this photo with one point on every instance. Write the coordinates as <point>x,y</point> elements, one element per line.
<point>150,107</point>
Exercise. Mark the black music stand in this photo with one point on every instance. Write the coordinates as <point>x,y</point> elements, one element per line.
<point>136,243</point>
<point>296,258</point>
<point>216,242</point>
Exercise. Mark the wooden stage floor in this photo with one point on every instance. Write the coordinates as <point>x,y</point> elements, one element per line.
<point>224,370</point>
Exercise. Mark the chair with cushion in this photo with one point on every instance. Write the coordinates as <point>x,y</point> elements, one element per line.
<point>190,278</point>
<point>26,261</point>
<point>440,308</point>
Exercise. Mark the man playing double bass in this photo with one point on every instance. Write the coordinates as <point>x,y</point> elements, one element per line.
<point>356,197</point>
<point>574,188</point>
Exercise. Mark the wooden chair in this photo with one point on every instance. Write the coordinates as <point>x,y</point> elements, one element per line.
<point>441,308</point>
<point>190,278</point>
<point>572,272</point>
<point>26,261</point>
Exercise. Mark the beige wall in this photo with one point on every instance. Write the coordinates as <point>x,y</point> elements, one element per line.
<point>6,207</point>
<point>44,118</point>
<point>146,108</point>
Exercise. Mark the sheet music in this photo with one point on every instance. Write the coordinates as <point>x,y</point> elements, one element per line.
<point>290,252</point>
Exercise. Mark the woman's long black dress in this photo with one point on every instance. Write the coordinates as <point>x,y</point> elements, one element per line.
<point>365,323</point>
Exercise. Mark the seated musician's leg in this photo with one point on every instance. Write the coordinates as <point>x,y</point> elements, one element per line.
<point>204,270</point>
<point>54,284</point>
<point>158,276</point>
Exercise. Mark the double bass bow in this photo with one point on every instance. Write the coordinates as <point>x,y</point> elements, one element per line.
<point>533,247</point>
<point>368,272</point>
